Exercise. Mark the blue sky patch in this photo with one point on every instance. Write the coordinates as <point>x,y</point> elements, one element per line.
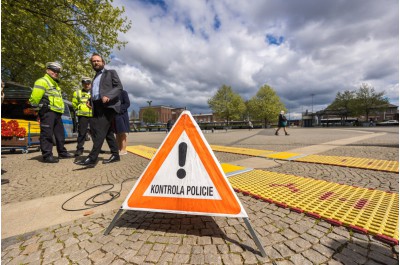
<point>217,23</point>
<point>160,3</point>
<point>271,39</point>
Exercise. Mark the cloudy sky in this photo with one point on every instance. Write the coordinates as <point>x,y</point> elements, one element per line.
<point>180,52</point>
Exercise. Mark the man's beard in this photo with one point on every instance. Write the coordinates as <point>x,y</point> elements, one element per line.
<point>99,68</point>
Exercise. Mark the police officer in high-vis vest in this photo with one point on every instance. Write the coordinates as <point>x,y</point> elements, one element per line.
<point>46,95</point>
<point>79,99</point>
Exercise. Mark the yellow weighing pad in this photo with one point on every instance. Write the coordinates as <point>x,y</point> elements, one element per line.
<point>364,163</point>
<point>363,210</point>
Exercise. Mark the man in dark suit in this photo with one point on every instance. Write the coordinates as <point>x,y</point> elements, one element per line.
<point>106,88</point>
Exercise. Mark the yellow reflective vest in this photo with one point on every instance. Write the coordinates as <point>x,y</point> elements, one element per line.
<point>47,92</point>
<point>79,99</point>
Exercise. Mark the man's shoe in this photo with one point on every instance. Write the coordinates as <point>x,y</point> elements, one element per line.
<point>65,155</point>
<point>50,159</point>
<point>112,159</point>
<point>78,152</point>
<point>86,162</point>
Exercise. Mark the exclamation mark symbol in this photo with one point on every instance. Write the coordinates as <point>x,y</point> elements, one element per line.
<point>181,173</point>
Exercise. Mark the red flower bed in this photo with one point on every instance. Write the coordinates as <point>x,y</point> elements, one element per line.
<point>11,128</point>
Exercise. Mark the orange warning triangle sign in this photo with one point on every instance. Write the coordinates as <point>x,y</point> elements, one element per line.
<point>185,177</point>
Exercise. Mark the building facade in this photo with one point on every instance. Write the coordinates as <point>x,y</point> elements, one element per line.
<point>164,113</point>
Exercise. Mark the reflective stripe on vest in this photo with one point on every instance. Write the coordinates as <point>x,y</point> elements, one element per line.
<point>82,99</point>
<point>54,96</point>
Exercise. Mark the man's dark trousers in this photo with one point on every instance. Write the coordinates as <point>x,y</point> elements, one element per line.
<point>101,129</point>
<point>83,123</point>
<point>51,122</point>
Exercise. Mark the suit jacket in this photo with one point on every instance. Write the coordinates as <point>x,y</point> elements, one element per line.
<point>111,87</point>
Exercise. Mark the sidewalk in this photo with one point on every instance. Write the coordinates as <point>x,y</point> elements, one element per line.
<point>36,192</point>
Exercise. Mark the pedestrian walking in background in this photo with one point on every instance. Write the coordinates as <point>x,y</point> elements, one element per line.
<point>122,122</point>
<point>105,104</point>
<point>282,123</point>
<point>79,99</point>
<point>250,125</point>
<point>169,125</point>
<point>46,94</point>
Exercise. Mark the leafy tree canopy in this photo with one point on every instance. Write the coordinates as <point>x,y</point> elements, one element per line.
<point>367,98</point>
<point>227,104</point>
<point>265,105</point>
<point>67,31</point>
<point>149,115</point>
<point>359,102</point>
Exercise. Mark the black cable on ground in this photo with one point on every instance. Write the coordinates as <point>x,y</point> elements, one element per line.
<point>92,202</point>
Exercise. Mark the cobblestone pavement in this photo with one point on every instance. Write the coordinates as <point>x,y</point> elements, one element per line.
<point>155,238</point>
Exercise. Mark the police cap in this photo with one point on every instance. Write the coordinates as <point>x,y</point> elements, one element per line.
<point>54,66</point>
<point>86,80</point>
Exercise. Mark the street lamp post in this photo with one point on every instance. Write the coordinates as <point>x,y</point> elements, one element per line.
<point>312,103</point>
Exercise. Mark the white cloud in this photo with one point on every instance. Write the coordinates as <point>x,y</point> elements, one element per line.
<point>179,53</point>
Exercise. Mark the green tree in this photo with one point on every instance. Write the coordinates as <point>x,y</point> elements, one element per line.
<point>149,115</point>
<point>367,98</point>
<point>67,31</point>
<point>227,104</point>
<point>344,104</point>
<point>265,105</point>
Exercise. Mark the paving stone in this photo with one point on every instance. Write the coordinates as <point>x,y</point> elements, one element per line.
<point>90,247</point>
<point>300,259</point>
<point>175,240</point>
<point>314,256</point>
<point>181,258</point>
<point>213,259</point>
<point>166,258</point>
<point>359,249</point>
<point>330,243</point>
<point>197,259</point>
<point>96,255</point>
<point>283,250</point>
<point>197,250</point>
<point>249,258</point>
<point>379,257</point>
<point>63,261</point>
<point>232,258</point>
<point>118,262</point>
<point>153,256</point>
<point>327,252</point>
<point>31,248</point>
<point>70,241</point>
<point>309,238</point>
<point>78,255</point>
<point>32,257</point>
<point>51,257</point>
<point>171,248</point>
<point>69,250</point>
<point>184,249</point>
<point>107,259</point>
<point>113,248</point>
<point>334,262</point>
<point>145,249</point>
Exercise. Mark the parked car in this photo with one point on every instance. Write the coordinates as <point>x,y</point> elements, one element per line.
<point>388,123</point>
